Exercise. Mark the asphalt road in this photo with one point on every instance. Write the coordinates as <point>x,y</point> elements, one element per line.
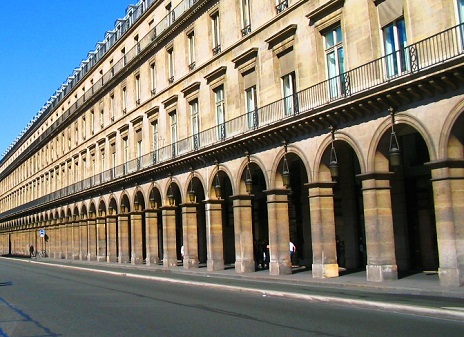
<point>41,300</point>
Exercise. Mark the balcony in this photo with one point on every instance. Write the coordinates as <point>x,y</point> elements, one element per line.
<point>437,58</point>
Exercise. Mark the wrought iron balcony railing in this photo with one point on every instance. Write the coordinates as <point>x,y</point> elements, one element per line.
<point>436,50</point>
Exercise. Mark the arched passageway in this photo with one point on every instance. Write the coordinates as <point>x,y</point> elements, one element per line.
<point>348,210</point>
<point>298,210</point>
<point>228,220</point>
<point>413,205</point>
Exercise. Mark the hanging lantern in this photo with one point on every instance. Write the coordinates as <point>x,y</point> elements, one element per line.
<point>191,193</point>
<point>217,187</point>
<point>285,173</point>
<point>333,163</point>
<point>248,179</point>
<point>171,199</point>
<point>152,202</point>
<point>394,149</point>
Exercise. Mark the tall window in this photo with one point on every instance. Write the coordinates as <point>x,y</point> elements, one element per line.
<point>246,23</point>
<point>195,123</point>
<point>461,19</point>
<point>220,112</point>
<point>394,36</point>
<point>84,133</point>
<point>139,151</point>
<point>169,14</point>
<point>124,100</point>
<point>155,140</point>
<point>125,146</point>
<point>103,163</point>
<point>137,89</point>
<point>335,61</point>
<point>153,78</point>
<point>173,118</point>
<point>216,33</point>
<point>171,65</point>
<point>113,160</point>
<point>289,93</point>
<point>112,107</point>
<point>191,49</point>
<point>102,118</point>
<point>92,122</point>
<point>250,101</point>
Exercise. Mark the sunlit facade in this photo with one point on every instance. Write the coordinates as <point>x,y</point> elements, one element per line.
<point>225,126</point>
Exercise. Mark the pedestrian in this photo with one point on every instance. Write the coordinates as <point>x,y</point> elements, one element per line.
<point>31,251</point>
<point>292,251</point>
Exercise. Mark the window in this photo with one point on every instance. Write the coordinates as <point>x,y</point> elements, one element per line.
<point>124,100</point>
<point>153,78</point>
<point>246,23</point>
<point>113,160</point>
<point>169,14</point>
<point>92,122</point>
<point>154,126</point>
<point>394,36</point>
<point>102,118</point>
<point>112,107</point>
<point>220,112</point>
<point>136,43</point>
<point>125,146</point>
<point>335,61</point>
<point>103,163</point>
<point>216,33</point>
<point>250,101</point>
<point>137,89</point>
<point>195,123</point>
<point>191,49</point>
<point>171,65</point>
<point>139,151</point>
<point>289,93</point>
<point>173,117</point>
<point>281,5</point>
<point>84,135</point>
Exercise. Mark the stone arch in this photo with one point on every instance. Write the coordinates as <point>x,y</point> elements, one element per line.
<point>113,205</point>
<point>154,195</point>
<point>276,169</point>
<point>139,200</point>
<point>255,164</point>
<point>84,210</point>
<point>451,142</point>
<point>194,182</point>
<point>101,207</point>
<point>124,202</point>
<point>92,209</point>
<point>378,149</point>
<point>224,172</point>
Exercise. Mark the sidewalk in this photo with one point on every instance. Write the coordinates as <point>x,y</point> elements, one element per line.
<point>419,284</point>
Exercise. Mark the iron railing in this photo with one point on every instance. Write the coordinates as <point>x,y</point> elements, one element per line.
<point>430,52</point>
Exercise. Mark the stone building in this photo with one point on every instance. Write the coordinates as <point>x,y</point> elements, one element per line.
<point>224,126</point>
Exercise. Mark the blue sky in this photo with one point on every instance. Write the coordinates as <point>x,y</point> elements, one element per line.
<point>42,42</point>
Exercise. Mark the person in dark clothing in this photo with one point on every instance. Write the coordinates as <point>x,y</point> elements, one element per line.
<point>31,251</point>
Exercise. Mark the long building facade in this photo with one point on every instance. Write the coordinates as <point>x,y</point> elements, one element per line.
<point>219,127</point>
